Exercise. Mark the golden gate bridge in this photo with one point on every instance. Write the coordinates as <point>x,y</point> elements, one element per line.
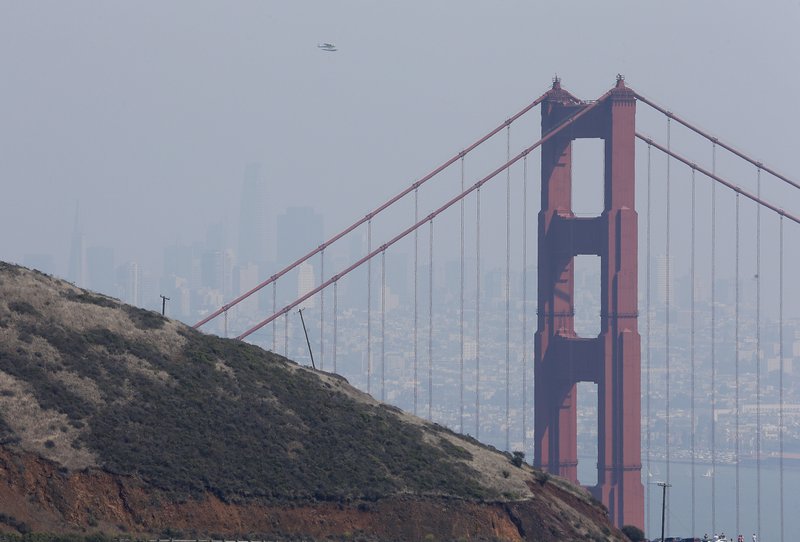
<point>638,388</point>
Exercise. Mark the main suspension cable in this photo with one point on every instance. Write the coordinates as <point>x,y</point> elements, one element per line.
<point>387,204</point>
<point>414,227</point>
<point>719,180</point>
<point>716,141</point>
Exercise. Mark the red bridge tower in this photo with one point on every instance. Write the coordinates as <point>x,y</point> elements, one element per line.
<point>612,359</point>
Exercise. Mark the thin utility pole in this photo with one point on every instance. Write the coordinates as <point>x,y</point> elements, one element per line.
<point>310,353</point>
<point>664,486</point>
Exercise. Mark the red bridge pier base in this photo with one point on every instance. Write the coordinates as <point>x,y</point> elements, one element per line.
<point>612,360</point>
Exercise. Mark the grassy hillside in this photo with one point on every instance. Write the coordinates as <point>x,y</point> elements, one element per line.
<point>87,381</point>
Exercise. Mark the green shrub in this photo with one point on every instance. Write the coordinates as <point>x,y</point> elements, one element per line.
<point>634,533</point>
<point>91,299</point>
<point>23,307</point>
<point>144,319</point>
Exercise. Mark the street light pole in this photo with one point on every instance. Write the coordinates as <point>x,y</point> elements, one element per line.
<point>664,486</point>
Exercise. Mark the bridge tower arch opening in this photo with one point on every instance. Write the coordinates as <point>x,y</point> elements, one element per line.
<point>612,359</point>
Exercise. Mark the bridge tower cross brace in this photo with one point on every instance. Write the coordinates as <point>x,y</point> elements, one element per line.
<point>612,360</point>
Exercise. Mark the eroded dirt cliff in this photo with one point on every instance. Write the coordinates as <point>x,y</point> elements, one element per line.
<point>38,495</point>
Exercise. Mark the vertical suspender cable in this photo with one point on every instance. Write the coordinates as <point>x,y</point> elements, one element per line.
<point>369,308</point>
<point>383,325</point>
<point>691,351</point>
<point>322,311</point>
<point>736,370</point>
<point>780,364</point>
<point>478,314</point>
<point>667,321</point>
<point>647,302</point>
<point>416,291</point>
<point>713,341</point>
<point>274,310</point>
<point>524,301</point>
<point>758,358</point>
<point>461,317</point>
<point>286,334</point>
<point>225,324</point>
<point>508,290</point>
<point>335,321</point>
<point>430,326</point>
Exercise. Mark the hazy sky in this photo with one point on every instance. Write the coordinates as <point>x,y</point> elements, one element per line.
<point>148,112</point>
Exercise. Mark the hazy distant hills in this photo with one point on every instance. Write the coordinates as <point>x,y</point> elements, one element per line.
<point>115,419</point>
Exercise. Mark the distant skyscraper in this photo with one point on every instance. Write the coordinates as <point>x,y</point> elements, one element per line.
<point>397,274</point>
<point>305,283</point>
<point>212,272</point>
<point>128,283</point>
<point>149,291</point>
<point>253,225</point>
<point>180,261</point>
<point>299,232</point>
<point>663,269</point>
<point>245,277</point>
<point>100,269</point>
<point>216,271</point>
<point>216,237</point>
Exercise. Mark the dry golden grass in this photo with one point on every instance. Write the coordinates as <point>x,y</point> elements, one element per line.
<point>491,465</point>
<point>83,313</point>
<point>45,432</point>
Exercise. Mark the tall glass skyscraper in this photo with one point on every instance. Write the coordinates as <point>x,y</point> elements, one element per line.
<point>254,233</point>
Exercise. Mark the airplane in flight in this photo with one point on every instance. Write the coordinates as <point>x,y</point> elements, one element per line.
<point>330,47</point>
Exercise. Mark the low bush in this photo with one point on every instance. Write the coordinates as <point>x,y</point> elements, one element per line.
<point>23,307</point>
<point>90,298</point>
<point>144,319</point>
